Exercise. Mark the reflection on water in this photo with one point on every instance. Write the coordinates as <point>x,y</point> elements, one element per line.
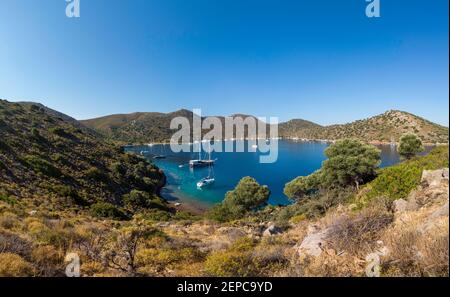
<point>294,159</point>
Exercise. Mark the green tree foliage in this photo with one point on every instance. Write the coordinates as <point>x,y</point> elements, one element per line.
<point>248,195</point>
<point>410,145</point>
<point>350,162</point>
<point>108,210</point>
<point>96,174</point>
<point>136,200</point>
<point>303,185</point>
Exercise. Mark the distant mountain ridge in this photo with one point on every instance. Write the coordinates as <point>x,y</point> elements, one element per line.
<point>146,127</point>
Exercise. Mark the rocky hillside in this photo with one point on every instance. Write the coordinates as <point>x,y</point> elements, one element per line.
<point>387,127</point>
<point>46,155</point>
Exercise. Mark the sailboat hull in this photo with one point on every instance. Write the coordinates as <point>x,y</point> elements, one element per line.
<point>205,182</point>
<point>201,163</point>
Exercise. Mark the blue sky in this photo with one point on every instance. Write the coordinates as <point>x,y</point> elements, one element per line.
<point>323,61</point>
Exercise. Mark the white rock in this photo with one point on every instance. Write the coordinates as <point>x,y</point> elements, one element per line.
<point>314,243</point>
<point>400,205</point>
<point>272,230</point>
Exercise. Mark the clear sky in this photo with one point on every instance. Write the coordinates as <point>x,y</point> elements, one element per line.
<point>323,61</point>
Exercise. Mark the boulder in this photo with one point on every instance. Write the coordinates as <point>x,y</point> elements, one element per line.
<point>434,178</point>
<point>400,205</point>
<point>272,230</point>
<point>433,189</point>
<point>441,212</point>
<point>314,243</point>
<point>231,233</point>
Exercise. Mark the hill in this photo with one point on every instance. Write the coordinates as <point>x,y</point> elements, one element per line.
<point>299,128</point>
<point>47,156</point>
<point>387,127</point>
<point>139,127</point>
<point>145,127</point>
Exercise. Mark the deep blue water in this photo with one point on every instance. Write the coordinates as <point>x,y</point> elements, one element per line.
<point>294,159</point>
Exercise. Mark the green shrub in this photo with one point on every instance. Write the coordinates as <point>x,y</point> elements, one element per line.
<point>2,165</point>
<point>247,196</point>
<point>42,166</point>
<point>315,205</point>
<point>221,213</point>
<point>108,210</point>
<point>4,147</point>
<point>96,174</point>
<point>60,132</point>
<point>303,185</point>
<point>118,168</point>
<point>398,181</point>
<point>60,238</point>
<point>12,265</point>
<point>9,200</point>
<point>138,199</point>
<point>69,192</point>
<point>157,215</point>
<point>60,159</point>
<point>235,262</point>
<point>186,216</point>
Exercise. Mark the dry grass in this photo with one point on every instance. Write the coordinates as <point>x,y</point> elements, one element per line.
<point>417,252</point>
<point>356,234</point>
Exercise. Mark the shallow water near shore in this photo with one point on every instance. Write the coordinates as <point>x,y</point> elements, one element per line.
<point>295,158</point>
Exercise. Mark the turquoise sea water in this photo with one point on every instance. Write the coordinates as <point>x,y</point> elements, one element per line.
<point>294,159</point>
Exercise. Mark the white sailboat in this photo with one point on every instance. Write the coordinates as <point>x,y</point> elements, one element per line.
<point>200,162</point>
<point>209,180</point>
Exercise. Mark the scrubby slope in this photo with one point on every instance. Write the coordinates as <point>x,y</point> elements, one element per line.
<point>46,156</point>
<point>388,127</point>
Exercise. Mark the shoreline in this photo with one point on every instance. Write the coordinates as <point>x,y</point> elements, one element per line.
<point>181,202</point>
<point>373,142</point>
<point>187,207</point>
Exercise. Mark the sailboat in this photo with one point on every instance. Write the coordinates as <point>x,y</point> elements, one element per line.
<point>209,180</point>
<point>200,162</point>
<point>161,155</point>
